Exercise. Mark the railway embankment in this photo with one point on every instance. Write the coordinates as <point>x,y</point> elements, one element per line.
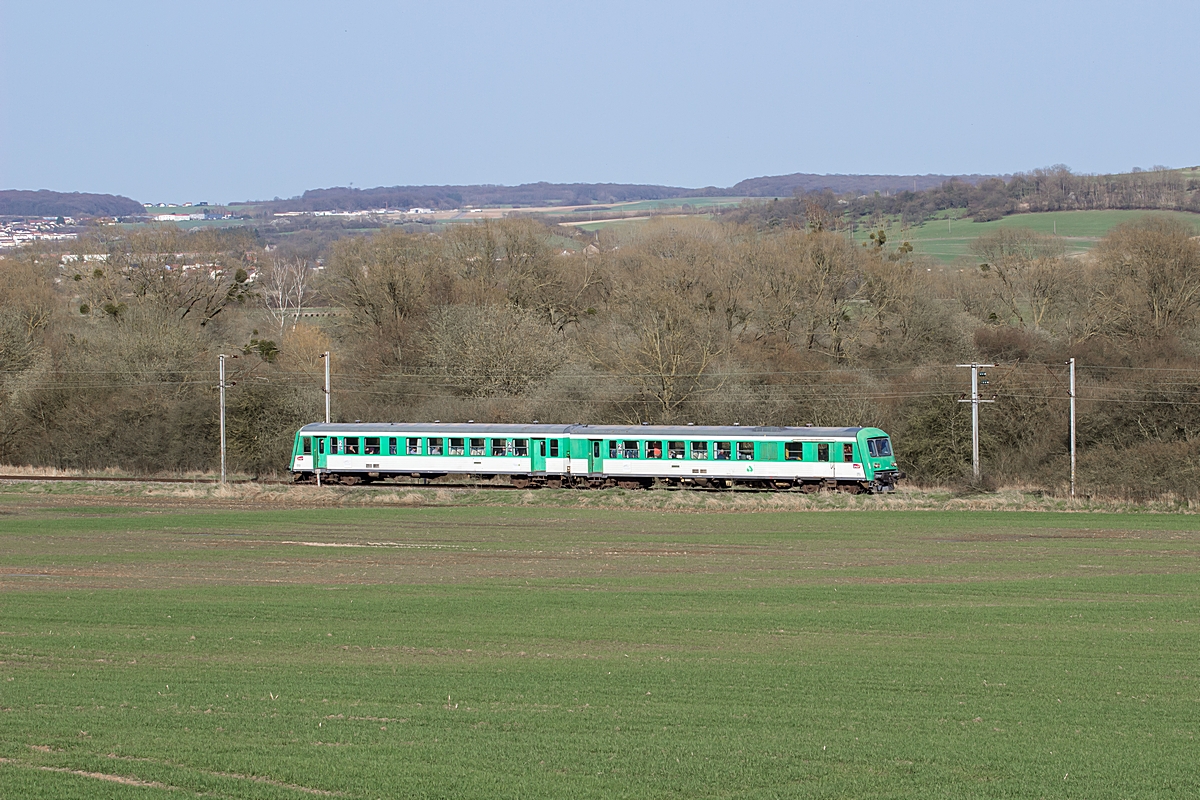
<point>151,493</point>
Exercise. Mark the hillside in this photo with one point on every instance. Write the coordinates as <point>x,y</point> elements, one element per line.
<point>788,185</point>
<point>339,198</point>
<point>45,203</point>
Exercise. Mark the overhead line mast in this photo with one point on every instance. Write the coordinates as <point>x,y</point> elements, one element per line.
<point>975,401</point>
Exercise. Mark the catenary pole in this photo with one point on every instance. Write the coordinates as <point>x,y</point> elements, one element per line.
<point>222,385</point>
<point>1073,438</point>
<point>975,401</point>
<point>326,357</point>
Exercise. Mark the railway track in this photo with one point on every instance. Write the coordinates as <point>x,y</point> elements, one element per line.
<point>375,485</point>
<point>240,481</point>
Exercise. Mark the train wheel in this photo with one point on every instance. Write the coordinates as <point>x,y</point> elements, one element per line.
<point>520,481</point>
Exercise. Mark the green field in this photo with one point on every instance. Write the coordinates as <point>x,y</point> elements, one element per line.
<point>237,648</point>
<point>949,239</point>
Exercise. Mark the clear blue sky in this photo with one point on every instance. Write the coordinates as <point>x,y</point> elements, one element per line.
<point>219,101</point>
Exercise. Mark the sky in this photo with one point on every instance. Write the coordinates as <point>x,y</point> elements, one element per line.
<point>221,101</point>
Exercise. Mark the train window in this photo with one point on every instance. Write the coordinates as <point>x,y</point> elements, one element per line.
<point>542,448</point>
<point>457,447</point>
<point>847,452</point>
<point>392,448</point>
<point>478,447</point>
<point>631,449</point>
<point>351,445</point>
<point>675,450</point>
<point>554,448</point>
<point>520,447</point>
<point>879,448</point>
<point>371,446</point>
<point>613,447</point>
<point>306,445</point>
<point>653,449</point>
<point>435,446</point>
<point>723,451</point>
<point>699,451</point>
<point>321,445</point>
<point>823,451</point>
<point>793,451</point>
<point>595,449</point>
<point>498,446</point>
<point>745,451</point>
<point>413,447</point>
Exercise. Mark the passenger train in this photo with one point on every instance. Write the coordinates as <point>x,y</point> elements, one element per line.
<point>600,456</point>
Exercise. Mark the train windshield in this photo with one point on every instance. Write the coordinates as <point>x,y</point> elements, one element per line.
<point>880,448</point>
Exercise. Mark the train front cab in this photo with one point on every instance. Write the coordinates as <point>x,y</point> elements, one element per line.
<point>308,454</point>
<point>879,459</point>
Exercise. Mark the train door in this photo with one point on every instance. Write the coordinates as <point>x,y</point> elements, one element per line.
<point>321,450</point>
<point>595,460</point>
<point>846,468</point>
<point>537,456</point>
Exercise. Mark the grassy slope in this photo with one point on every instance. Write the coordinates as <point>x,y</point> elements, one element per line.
<point>948,240</point>
<point>572,652</point>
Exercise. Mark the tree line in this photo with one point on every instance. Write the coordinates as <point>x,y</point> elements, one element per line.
<point>108,353</point>
<point>989,198</point>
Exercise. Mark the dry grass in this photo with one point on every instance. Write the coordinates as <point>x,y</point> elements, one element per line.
<point>1011,498</point>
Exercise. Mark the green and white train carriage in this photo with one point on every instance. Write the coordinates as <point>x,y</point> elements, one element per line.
<point>854,459</point>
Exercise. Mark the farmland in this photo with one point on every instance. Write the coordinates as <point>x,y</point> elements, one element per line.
<point>254,646</point>
<point>949,238</point>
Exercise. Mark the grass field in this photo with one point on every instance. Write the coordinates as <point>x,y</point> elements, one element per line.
<point>673,203</point>
<point>950,239</point>
<point>249,646</point>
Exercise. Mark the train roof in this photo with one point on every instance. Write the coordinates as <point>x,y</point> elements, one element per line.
<point>465,428</point>
<point>587,431</point>
<point>714,431</point>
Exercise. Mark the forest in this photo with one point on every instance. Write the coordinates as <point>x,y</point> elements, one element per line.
<point>567,194</point>
<point>45,203</point>
<point>108,352</point>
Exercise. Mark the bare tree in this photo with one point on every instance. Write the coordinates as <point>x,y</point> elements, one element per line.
<point>488,351</point>
<point>386,278</point>
<point>1027,273</point>
<point>1150,279</point>
<point>192,276</point>
<point>282,285</point>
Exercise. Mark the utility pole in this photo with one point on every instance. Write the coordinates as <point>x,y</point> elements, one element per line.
<point>221,359</point>
<point>975,401</point>
<point>325,356</point>
<point>1072,393</point>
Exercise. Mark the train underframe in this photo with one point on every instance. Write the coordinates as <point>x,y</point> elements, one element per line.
<point>882,484</point>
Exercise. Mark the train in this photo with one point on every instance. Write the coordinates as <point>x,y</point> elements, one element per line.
<point>600,456</point>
